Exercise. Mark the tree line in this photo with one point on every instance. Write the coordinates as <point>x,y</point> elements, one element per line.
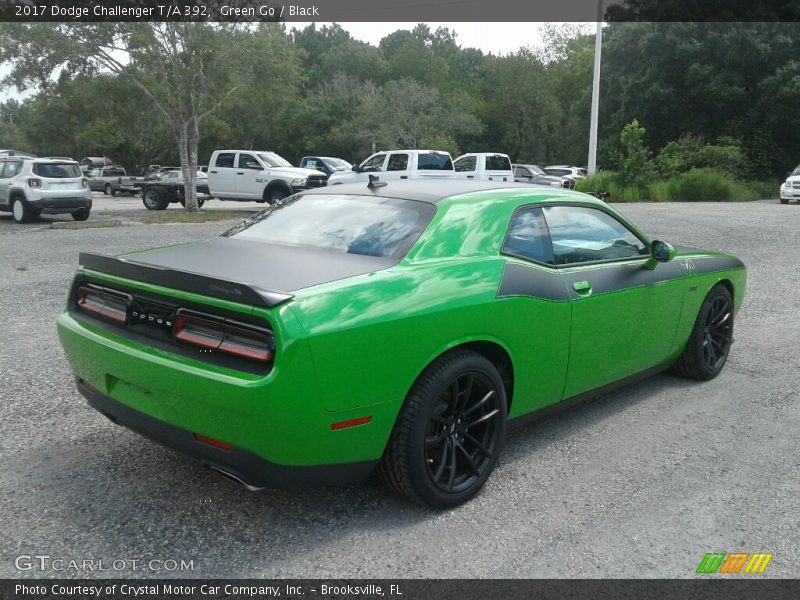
<point>318,90</point>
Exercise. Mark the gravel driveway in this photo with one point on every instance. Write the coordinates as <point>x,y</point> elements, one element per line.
<point>641,483</point>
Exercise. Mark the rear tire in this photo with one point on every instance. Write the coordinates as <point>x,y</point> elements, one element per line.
<point>449,433</point>
<point>200,202</point>
<point>710,341</point>
<point>81,214</point>
<point>20,210</point>
<point>109,190</point>
<point>154,199</point>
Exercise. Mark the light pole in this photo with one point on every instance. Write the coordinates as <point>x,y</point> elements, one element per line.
<point>592,163</point>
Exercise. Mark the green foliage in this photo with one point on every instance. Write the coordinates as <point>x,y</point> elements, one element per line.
<point>636,166</point>
<point>597,183</point>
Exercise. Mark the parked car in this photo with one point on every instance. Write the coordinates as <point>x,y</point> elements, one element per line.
<point>169,187</point>
<point>484,166</point>
<point>258,175</point>
<point>17,153</point>
<point>400,325</point>
<point>113,179</point>
<point>399,164</point>
<point>327,164</point>
<point>790,189</point>
<point>574,173</point>
<point>33,186</point>
<point>524,173</point>
<point>90,163</point>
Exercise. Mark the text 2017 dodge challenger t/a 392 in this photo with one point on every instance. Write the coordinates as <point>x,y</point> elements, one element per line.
<point>401,326</point>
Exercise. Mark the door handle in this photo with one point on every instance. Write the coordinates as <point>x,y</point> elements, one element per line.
<point>240,172</point>
<point>584,288</point>
<point>403,176</point>
<point>213,171</point>
<point>470,176</point>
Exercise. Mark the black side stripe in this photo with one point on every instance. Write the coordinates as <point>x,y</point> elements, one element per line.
<point>554,285</point>
<point>624,276</point>
<point>520,280</point>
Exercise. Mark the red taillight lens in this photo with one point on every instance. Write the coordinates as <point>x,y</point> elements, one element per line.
<point>225,336</point>
<point>34,183</point>
<point>102,303</point>
<point>213,442</point>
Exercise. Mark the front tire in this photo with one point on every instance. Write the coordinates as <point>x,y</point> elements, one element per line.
<point>710,341</point>
<point>20,210</point>
<point>784,201</point>
<point>450,432</point>
<point>155,199</point>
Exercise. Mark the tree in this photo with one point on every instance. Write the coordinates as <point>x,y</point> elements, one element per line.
<point>182,68</point>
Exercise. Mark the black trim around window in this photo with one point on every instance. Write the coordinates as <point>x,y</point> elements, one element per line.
<point>519,209</point>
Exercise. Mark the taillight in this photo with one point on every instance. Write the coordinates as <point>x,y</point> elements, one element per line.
<point>85,183</point>
<point>222,335</point>
<point>104,303</point>
<point>34,182</point>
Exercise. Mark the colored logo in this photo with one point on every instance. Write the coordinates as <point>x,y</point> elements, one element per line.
<point>734,562</point>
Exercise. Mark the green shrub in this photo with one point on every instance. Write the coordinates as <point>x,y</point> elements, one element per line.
<point>765,190</point>
<point>625,193</point>
<point>662,190</point>
<point>598,183</point>
<point>700,185</point>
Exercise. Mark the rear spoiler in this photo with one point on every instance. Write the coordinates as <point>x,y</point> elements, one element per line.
<point>232,291</point>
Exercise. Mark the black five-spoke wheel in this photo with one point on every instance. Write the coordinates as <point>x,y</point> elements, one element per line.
<point>450,431</point>
<point>710,341</point>
<point>462,432</point>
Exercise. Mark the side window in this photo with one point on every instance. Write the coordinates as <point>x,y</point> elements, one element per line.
<point>558,172</point>
<point>522,172</point>
<point>397,162</point>
<point>309,164</point>
<point>225,160</point>
<point>584,234</point>
<point>465,164</point>
<point>374,163</point>
<point>12,168</point>
<point>247,161</point>
<point>528,237</point>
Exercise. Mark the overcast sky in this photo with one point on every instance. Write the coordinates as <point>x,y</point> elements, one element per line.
<point>497,38</point>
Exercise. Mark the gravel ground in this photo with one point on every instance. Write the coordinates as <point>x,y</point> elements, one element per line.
<point>639,484</point>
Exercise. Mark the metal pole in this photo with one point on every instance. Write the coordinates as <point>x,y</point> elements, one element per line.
<point>592,164</point>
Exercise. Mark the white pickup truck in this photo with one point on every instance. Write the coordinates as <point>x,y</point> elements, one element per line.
<point>484,166</point>
<point>400,164</point>
<point>257,175</point>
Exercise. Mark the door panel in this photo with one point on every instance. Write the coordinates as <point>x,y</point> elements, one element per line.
<point>624,320</point>
<point>222,175</point>
<point>249,181</point>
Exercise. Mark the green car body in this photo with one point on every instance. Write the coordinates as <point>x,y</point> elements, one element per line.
<point>347,351</point>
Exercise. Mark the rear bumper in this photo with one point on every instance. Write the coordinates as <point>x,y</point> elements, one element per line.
<point>243,466</point>
<point>60,205</point>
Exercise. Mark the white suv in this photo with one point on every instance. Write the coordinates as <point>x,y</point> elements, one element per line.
<point>33,186</point>
<point>790,189</point>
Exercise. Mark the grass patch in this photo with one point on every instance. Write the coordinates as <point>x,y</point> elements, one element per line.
<point>181,216</point>
<point>84,224</point>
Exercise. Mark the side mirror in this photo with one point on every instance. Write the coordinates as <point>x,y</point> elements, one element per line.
<point>660,252</point>
<point>356,168</point>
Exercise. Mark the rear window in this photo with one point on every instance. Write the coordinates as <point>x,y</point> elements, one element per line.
<point>498,163</point>
<point>368,226</point>
<point>435,162</point>
<point>114,173</point>
<point>56,170</point>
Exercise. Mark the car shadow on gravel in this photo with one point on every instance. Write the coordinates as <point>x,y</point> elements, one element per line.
<point>125,495</point>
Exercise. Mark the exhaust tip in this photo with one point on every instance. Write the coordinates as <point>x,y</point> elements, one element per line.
<point>236,479</point>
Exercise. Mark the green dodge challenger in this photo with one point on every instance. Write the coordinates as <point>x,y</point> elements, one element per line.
<point>402,326</point>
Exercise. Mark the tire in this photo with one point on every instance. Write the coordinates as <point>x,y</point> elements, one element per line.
<point>710,341</point>
<point>456,410</point>
<point>154,199</point>
<point>784,201</point>
<point>81,214</point>
<point>276,194</point>
<point>20,210</point>
<point>109,191</point>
